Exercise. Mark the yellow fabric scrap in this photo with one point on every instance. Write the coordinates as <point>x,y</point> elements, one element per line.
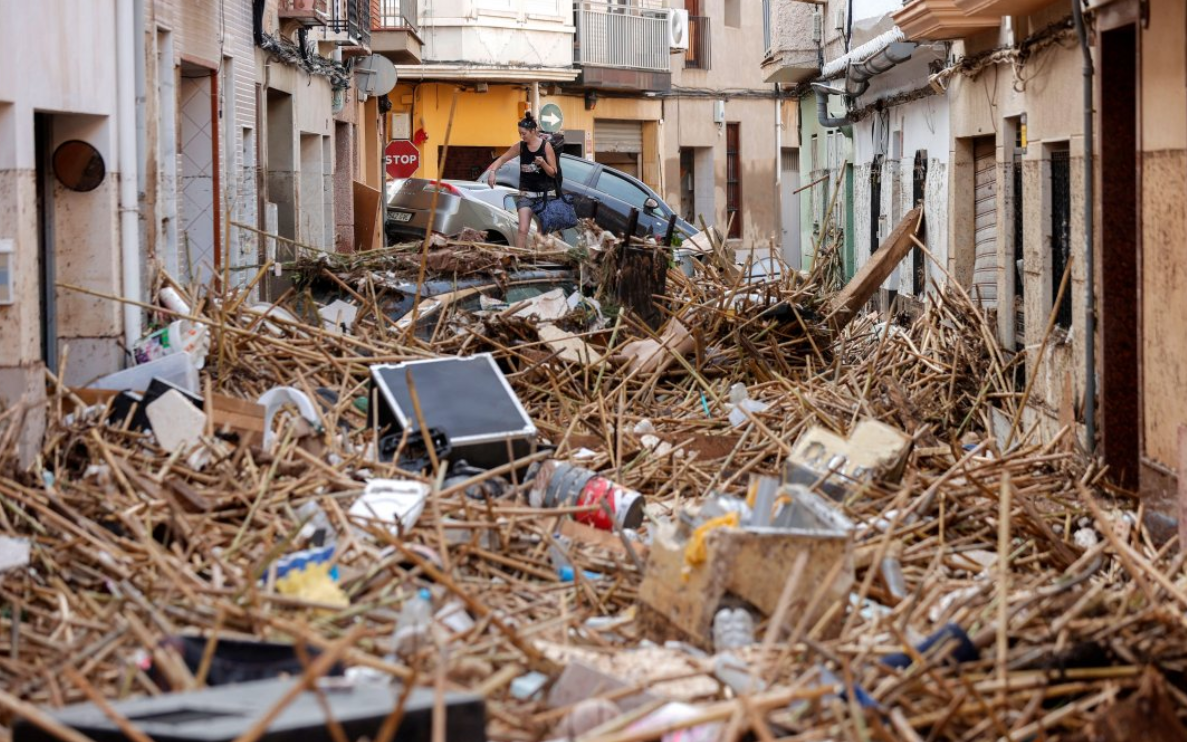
<point>313,583</point>
<point>695,552</point>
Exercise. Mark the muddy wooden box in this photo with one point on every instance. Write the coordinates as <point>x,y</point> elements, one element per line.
<point>747,566</point>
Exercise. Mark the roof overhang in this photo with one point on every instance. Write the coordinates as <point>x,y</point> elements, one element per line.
<point>471,73</point>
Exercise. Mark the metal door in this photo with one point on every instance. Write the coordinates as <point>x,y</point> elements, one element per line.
<point>790,203</point>
<point>985,222</point>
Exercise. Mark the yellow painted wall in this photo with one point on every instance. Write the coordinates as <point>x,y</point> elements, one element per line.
<point>489,119</point>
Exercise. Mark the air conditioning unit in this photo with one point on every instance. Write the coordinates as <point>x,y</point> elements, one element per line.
<point>307,12</point>
<point>678,29</point>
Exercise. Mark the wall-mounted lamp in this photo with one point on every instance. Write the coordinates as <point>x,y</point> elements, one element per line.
<point>591,100</point>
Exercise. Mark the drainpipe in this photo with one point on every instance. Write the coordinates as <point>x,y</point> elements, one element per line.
<point>857,79</point>
<point>860,73</point>
<point>822,93</point>
<point>126,45</point>
<point>1089,256</point>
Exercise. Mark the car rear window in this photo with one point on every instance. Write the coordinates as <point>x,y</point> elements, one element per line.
<point>622,189</point>
<point>576,169</point>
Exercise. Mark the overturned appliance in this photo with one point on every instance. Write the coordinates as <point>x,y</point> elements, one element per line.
<point>466,401</point>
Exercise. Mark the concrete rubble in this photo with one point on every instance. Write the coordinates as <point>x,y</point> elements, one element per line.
<point>829,495</point>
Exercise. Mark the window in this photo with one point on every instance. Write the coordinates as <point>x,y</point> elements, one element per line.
<point>766,27</point>
<point>1061,227</point>
<point>576,169</point>
<point>918,195</point>
<point>622,189</point>
<point>733,13</point>
<point>733,179</point>
<point>875,204</point>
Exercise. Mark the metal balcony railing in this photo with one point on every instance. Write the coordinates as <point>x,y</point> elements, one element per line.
<point>397,14</point>
<point>353,17</point>
<point>627,36</point>
<point>699,54</point>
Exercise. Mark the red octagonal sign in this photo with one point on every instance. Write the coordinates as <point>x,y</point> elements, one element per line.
<point>401,158</point>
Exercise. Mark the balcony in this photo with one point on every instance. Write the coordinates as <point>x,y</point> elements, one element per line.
<point>791,55</point>
<point>349,24</point>
<point>1001,7</point>
<point>307,12</point>
<point>493,41</point>
<point>394,30</point>
<point>940,20</point>
<point>699,54</point>
<point>624,46</point>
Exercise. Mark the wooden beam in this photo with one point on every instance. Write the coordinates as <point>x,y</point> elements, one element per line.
<point>1182,487</point>
<point>889,254</point>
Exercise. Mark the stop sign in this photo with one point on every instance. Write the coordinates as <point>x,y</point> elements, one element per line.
<point>401,158</point>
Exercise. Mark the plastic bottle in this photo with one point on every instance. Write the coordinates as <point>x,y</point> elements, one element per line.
<point>414,624</point>
<point>732,628</point>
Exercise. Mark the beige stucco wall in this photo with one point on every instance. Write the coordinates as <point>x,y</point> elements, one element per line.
<point>1164,231</point>
<point>735,76</point>
<point>1050,99</point>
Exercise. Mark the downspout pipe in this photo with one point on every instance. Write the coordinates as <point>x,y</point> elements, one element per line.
<point>1089,237</point>
<point>822,94</point>
<point>857,79</point>
<point>860,73</point>
<point>126,46</point>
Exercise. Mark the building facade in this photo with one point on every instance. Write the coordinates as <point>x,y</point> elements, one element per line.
<point>63,108</point>
<point>874,134</point>
<point>172,135</point>
<point>728,136</point>
<point>702,130</point>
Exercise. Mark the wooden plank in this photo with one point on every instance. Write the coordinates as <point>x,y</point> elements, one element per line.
<point>880,265</point>
<point>366,216</point>
<point>1182,486</point>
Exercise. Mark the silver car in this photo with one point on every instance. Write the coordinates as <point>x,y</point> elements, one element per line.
<point>460,204</point>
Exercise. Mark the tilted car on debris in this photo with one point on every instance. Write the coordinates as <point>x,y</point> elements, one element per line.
<point>461,204</point>
<point>607,195</point>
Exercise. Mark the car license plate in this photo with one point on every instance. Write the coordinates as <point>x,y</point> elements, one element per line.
<point>401,216</point>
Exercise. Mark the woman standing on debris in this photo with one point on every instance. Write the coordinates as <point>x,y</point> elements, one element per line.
<point>537,171</point>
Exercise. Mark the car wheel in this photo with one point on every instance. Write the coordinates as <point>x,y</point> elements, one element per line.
<point>497,238</point>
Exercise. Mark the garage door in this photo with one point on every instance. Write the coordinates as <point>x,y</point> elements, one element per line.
<point>618,136</point>
<point>985,229</point>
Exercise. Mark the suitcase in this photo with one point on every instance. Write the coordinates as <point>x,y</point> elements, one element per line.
<point>224,713</point>
<point>466,399</point>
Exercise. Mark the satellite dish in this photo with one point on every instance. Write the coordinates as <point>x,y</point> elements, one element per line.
<point>376,75</point>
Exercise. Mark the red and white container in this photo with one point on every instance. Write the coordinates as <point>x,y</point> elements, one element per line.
<point>559,484</point>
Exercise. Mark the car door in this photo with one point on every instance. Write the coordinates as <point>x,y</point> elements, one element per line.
<point>576,176</point>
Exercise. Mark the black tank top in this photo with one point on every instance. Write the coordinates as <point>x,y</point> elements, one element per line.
<point>531,176</point>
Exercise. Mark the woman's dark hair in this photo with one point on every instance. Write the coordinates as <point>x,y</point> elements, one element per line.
<point>528,121</point>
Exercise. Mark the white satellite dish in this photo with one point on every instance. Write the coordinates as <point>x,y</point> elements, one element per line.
<point>376,75</point>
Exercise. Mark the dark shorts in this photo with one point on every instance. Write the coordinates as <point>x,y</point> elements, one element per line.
<point>528,199</point>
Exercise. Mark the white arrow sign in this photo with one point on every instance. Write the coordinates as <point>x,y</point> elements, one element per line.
<point>551,119</point>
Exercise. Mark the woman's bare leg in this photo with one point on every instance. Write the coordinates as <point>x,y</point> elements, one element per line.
<point>525,220</point>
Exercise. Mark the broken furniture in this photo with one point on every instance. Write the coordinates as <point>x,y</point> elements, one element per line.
<point>747,566</point>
